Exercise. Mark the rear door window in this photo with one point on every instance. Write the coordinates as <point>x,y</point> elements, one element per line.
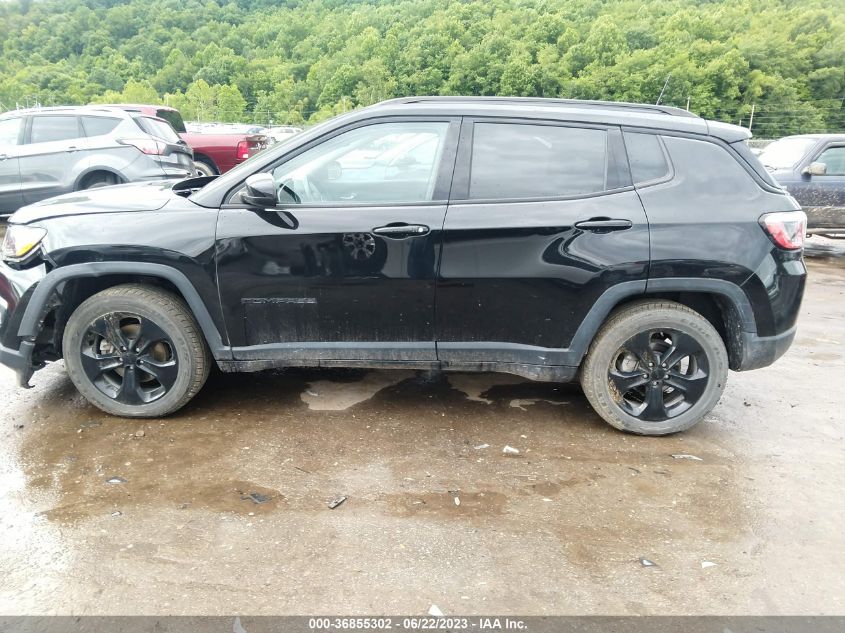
<point>518,161</point>
<point>47,129</point>
<point>646,158</point>
<point>98,125</point>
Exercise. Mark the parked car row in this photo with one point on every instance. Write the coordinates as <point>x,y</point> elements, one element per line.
<point>46,152</point>
<point>215,151</point>
<point>274,134</point>
<point>50,151</point>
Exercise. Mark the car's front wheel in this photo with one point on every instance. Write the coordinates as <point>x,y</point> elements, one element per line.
<point>135,351</point>
<point>654,368</point>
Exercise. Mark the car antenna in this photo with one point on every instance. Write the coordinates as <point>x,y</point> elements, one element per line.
<point>665,83</point>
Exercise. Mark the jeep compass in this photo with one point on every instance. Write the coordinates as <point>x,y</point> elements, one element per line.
<point>639,249</point>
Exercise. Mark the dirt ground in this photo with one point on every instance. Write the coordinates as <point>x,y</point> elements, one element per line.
<point>223,508</point>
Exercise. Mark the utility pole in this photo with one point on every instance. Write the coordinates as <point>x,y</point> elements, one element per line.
<point>688,98</point>
<point>751,120</point>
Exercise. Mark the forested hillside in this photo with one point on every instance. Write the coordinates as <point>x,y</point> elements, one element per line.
<point>302,61</point>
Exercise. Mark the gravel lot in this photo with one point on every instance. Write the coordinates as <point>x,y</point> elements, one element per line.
<point>224,507</point>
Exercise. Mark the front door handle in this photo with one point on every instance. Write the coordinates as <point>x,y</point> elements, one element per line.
<point>72,148</point>
<point>4,156</point>
<point>604,224</point>
<point>402,231</point>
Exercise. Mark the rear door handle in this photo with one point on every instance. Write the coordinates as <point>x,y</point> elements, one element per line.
<point>604,224</point>
<point>4,156</point>
<point>72,148</point>
<point>402,231</point>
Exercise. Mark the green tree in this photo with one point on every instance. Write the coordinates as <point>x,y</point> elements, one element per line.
<point>308,60</point>
<point>230,104</point>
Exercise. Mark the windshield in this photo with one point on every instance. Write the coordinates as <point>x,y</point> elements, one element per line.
<point>786,152</point>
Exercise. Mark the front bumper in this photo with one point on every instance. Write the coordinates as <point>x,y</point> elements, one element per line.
<point>19,360</point>
<point>16,289</point>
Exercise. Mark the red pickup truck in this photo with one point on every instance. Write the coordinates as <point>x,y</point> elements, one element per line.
<point>213,153</point>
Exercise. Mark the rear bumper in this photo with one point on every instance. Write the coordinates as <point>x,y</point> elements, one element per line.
<point>762,351</point>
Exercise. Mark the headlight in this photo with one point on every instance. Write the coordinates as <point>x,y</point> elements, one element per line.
<point>21,240</point>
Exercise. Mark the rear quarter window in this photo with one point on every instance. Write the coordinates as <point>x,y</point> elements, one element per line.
<point>748,156</point>
<point>158,128</point>
<point>173,117</point>
<point>98,125</point>
<point>709,170</point>
<point>519,161</point>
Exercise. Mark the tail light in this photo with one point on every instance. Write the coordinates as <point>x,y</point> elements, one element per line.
<point>787,229</point>
<point>146,145</point>
<point>253,144</point>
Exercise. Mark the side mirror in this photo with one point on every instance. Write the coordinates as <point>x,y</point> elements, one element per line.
<point>815,169</point>
<point>260,191</point>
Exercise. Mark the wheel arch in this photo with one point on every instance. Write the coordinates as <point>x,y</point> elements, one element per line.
<point>80,178</point>
<point>724,304</point>
<point>80,281</point>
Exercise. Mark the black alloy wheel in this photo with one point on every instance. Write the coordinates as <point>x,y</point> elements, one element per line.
<point>655,367</point>
<point>129,358</point>
<point>659,374</point>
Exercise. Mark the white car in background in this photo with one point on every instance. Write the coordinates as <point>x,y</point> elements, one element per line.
<point>281,133</point>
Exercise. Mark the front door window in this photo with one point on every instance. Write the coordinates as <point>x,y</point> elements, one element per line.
<point>378,164</point>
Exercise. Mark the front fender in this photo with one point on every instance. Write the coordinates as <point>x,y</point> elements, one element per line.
<point>38,305</point>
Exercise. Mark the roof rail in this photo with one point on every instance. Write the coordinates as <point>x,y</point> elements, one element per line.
<point>59,109</point>
<point>576,103</point>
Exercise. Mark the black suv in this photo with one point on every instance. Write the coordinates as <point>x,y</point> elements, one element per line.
<point>640,248</point>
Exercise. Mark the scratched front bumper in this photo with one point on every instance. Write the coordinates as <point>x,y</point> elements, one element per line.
<point>16,288</point>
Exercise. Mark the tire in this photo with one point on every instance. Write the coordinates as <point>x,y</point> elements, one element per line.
<point>171,365</point>
<point>658,399</point>
<point>204,168</point>
<point>97,180</point>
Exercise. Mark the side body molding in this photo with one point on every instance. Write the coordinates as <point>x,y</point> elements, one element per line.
<point>570,356</point>
<point>34,314</point>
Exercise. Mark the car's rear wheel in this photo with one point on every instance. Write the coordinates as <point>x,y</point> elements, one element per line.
<point>135,351</point>
<point>97,180</point>
<point>655,367</point>
<point>204,167</point>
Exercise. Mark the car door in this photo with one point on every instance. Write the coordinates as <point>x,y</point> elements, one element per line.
<point>823,195</point>
<point>11,133</point>
<point>54,153</point>
<point>541,222</point>
<point>344,266</point>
